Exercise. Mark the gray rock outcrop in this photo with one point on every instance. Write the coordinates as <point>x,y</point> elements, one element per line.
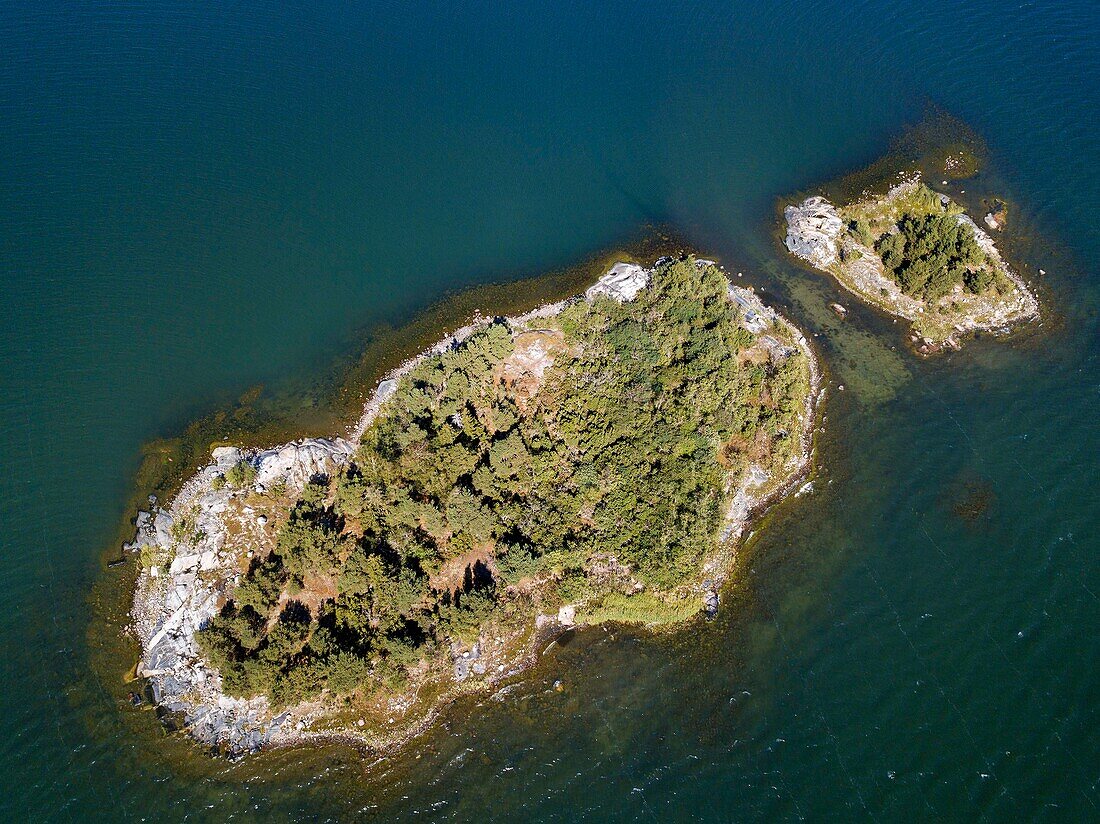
<point>295,464</point>
<point>622,283</point>
<point>812,230</point>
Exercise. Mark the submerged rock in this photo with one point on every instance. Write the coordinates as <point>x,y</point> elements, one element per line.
<point>710,603</point>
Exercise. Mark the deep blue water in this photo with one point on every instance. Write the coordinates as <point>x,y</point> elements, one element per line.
<point>198,197</point>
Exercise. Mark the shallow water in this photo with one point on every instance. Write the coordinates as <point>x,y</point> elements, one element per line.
<point>197,199</point>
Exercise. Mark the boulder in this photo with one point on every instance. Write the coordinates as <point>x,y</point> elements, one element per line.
<point>162,526</point>
<point>710,603</point>
<point>385,389</point>
<point>225,456</point>
<point>182,563</point>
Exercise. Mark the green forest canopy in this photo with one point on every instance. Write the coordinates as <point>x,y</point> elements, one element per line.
<point>468,496</point>
<point>931,254</point>
<point>930,250</point>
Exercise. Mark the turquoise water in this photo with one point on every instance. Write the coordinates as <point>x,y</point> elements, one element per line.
<point>200,197</point>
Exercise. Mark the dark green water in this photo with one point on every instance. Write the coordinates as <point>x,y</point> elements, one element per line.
<point>200,197</point>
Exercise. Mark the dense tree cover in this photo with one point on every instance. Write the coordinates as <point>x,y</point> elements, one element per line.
<point>465,489</point>
<point>930,254</point>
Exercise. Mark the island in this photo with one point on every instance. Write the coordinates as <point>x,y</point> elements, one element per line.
<point>594,460</point>
<point>915,253</point>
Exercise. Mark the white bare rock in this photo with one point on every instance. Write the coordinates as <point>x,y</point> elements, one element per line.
<point>567,615</point>
<point>622,283</point>
<point>812,230</point>
<point>295,464</point>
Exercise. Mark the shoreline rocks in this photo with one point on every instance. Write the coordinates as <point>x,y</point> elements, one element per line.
<point>170,607</point>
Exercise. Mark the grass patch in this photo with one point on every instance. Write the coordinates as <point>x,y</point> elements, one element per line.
<point>640,608</point>
<point>156,556</point>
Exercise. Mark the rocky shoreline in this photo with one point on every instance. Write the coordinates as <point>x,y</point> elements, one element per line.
<point>192,550</point>
<point>818,233</point>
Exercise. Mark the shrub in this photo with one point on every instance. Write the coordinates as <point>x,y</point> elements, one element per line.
<point>463,615</point>
<point>242,474</point>
<point>861,231</point>
<point>345,672</point>
<point>978,280</point>
<point>262,584</point>
<point>155,556</point>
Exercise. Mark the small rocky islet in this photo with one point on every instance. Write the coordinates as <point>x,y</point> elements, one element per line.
<point>916,254</point>
<point>593,460</point>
